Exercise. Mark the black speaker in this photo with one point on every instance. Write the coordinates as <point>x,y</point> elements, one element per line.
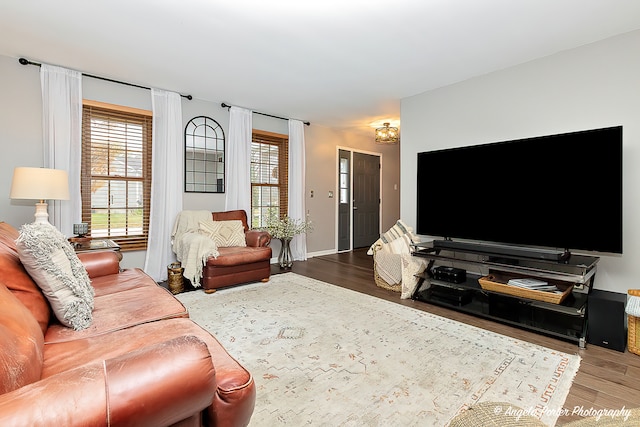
<point>606,319</point>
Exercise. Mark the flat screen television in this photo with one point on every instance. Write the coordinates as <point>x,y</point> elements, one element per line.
<point>559,191</point>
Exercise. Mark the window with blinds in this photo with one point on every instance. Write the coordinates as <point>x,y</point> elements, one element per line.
<point>116,173</point>
<point>269,176</point>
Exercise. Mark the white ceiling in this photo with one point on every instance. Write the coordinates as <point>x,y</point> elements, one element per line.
<point>337,63</point>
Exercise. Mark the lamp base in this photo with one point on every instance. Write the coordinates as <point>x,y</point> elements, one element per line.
<point>42,216</point>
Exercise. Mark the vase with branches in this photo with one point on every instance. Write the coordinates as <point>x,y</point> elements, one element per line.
<point>285,229</point>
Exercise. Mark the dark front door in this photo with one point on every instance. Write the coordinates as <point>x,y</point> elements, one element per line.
<point>366,199</point>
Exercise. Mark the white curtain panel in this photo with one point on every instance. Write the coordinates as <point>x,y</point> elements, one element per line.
<point>166,181</point>
<point>238,162</point>
<point>62,133</point>
<point>297,208</point>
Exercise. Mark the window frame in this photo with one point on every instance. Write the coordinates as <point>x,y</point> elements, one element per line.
<point>92,109</point>
<point>281,141</point>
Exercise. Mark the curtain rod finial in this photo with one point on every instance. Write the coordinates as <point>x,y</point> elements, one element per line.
<point>23,61</point>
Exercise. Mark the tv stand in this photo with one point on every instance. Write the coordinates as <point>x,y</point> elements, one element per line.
<point>566,320</point>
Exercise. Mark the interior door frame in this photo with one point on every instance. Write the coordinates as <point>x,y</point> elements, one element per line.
<point>336,175</point>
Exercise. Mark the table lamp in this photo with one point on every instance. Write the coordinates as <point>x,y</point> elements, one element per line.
<point>40,184</point>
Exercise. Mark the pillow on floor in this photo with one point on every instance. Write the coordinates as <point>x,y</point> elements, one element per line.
<point>53,264</point>
<point>224,233</point>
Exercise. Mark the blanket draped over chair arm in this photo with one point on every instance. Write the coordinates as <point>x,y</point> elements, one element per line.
<point>119,391</point>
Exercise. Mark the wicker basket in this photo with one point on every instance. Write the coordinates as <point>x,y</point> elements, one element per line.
<point>633,328</point>
<point>175,279</point>
<point>498,283</point>
<point>380,282</point>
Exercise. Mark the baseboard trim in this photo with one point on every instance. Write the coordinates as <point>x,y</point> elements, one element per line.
<point>274,260</point>
<point>321,253</point>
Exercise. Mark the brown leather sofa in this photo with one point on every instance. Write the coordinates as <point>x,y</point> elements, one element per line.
<point>141,362</point>
<point>238,264</point>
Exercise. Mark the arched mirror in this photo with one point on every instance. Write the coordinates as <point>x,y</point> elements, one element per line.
<point>203,156</point>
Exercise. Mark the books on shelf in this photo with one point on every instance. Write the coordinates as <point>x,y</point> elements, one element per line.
<point>533,284</point>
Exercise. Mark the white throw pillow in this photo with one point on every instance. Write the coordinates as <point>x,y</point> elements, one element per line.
<point>411,266</point>
<point>398,230</point>
<point>224,233</point>
<point>53,264</point>
<point>401,245</point>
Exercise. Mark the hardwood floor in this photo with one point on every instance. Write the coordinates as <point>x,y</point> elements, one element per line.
<point>607,379</point>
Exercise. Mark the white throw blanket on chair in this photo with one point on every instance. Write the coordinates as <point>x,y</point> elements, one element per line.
<point>190,246</point>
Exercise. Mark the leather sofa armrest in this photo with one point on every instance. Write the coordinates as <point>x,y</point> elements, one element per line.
<point>257,238</point>
<point>157,385</point>
<point>100,263</point>
<point>161,384</point>
<point>75,397</point>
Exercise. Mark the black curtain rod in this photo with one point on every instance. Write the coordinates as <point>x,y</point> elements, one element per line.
<point>24,61</point>
<point>224,105</point>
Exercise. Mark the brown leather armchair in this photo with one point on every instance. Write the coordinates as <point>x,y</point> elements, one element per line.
<point>238,264</point>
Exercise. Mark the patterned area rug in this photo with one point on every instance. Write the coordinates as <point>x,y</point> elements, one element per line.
<point>322,355</point>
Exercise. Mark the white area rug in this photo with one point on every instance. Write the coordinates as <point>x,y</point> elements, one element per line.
<point>322,355</point>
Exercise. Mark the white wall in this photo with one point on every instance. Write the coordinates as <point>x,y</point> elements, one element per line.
<point>20,133</point>
<point>593,86</point>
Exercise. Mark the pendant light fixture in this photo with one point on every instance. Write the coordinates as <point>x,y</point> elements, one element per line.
<point>387,134</point>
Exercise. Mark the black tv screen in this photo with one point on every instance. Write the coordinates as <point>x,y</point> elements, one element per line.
<point>558,191</point>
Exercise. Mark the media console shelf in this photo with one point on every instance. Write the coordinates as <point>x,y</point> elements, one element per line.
<point>566,320</point>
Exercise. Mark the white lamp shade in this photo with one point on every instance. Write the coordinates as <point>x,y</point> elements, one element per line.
<point>40,184</point>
